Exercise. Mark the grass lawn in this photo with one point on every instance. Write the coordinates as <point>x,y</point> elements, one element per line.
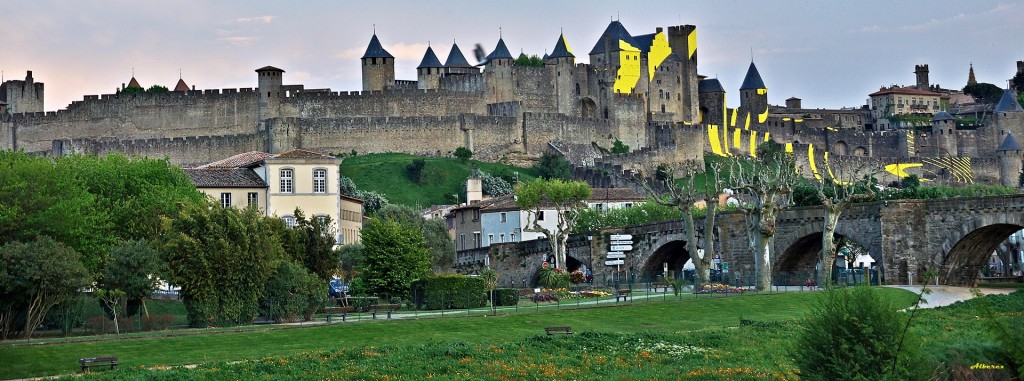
<point>669,318</point>
<point>385,173</point>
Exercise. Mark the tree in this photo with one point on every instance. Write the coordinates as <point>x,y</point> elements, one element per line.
<point>435,233</point>
<point>565,198</point>
<point>347,187</point>
<point>157,89</point>
<point>395,255</point>
<point>529,61</point>
<point>492,185</point>
<point>293,292</point>
<point>463,154</point>
<point>134,269</point>
<point>846,185</point>
<point>34,277</point>
<point>619,147</point>
<point>372,201</point>
<point>490,278</point>
<point>414,171</point>
<point>552,166</point>
<point>765,187</point>
<point>221,259</point>
<point>664,188</point>
<point>112,299</point>
<point>313,245</point>
<point>984,92</point>
<point>1017,83</point>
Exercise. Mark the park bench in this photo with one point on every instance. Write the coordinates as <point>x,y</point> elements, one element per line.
<point>624,294</point>
<point>343,311</point>
<point>97,361</point>
<point>660,285</point>
<point>386,307</point>
<point>560,330</point>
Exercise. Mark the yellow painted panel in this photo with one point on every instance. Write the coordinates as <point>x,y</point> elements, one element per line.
<point>762,91</point>
<point>736,137</point>
<point>753,143</point>
<point>629,68</point>
<point>785,119</point>
<point>789,147</point>
<point>691,40</point>
<point>746,123</point>
<point>766,134</point>
<point>733,121</point>
<point>833,175</point>
<point>566,42</point>
<point>716,142</point>
<point>898,169</point>
<point>764,115</point>
<point>798,120</point>
<point>810,159</point>
<point>658,52</point>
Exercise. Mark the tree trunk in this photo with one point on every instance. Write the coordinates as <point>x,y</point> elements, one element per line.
<point>761,245</point>
<point>828,247</point>
<point>704,264</point>
<point>701,275</point>
<point>560,256</point>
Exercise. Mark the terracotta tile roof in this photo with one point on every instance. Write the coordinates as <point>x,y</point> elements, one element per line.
<point>181,86</point>
<point>225,178</point>
<point>904,90</point>
<point>597,195</point>
<point>302,154</point>
<point>238,161</point>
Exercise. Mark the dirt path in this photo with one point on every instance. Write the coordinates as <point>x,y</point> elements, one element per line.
<point>945,295</point>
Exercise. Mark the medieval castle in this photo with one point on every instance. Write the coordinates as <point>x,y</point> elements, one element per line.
<point>643,90</point>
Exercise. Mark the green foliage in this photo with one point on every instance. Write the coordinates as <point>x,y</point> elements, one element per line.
<point>293,293</point>
<point>415,173</point>
<point>448,291</point>
<point>552,166</point>
<point>463,153</point>
<point>351,257</point>
<point>35,276</point>
<point>530,61</point>
<point>911,181</point>
<point>550,277</point>
<point>133,90</point>
<point>592,220</point>
<point>312,245</point>
<point>505,297</point>
<point>347,187</point>
<point>854,334</point>
<point>555,193</point>
<point>619,147</point>
<point>373,201</point>
<point>984,92</point>
<point>157,89</point>
<point>221,258</point>
<point>435,233</point>
<point>395,255</point>
<point>492,185</point>
<point>134,268</point>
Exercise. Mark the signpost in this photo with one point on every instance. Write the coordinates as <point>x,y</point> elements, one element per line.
<point>622,237</point>
<point>616,255</point>
<point>614,262</point>
<point>621,247</point>
<point>618,245</point>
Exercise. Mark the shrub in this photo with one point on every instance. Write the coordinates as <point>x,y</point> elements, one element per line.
<point>445,291</point>
<point>415,171</point>
<point>463,154</point>
<point>292,292</point>
<point>505,297</point>
<point>853,334</point>
<point>549,277</point>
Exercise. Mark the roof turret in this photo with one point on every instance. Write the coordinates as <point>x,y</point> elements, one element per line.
<point>134,83</point>
<point>455,58</point>
<point>942,115</point>
<point>500,52</point>
<point>181,86</point>
<point>375,50</point>
<point>562,49</point>
<point>614,33</point>
<point>753,79</point>
<point>429,60</point>
<point>1008,102</point>
<point>1009,144</point>
<point>710,85</point>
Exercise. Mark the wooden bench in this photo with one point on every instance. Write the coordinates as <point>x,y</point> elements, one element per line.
<point>387,307</point>
<point>624,294</point>
<point>97,361</point>
<point>662,285</point>
<point>560,330</point>
<point>343,311</point>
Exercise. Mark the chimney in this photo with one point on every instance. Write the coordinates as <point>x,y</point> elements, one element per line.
<point>474,190</point>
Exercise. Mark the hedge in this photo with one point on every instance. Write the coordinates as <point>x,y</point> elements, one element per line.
<point>447,291</point>
<point>505,297</point>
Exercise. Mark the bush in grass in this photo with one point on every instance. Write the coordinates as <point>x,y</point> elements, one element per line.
<point>291,293</point>
<point>853,334</point>
<point>505,297</point>
<point>446,291</point>
<point>549,277</point>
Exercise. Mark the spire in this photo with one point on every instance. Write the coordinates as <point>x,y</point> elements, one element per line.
<point>970,76</point>
<point>133,82</point>
<point>375,50</point>
<point>429,60</point>
<point>455,57</point>
<point>753,79</point>
<point>615,32</point>
<point>500,52</point>
<point>1009,144</point>
<point>1008,102</point>
<point>561,49</point>
<point>181,86</point>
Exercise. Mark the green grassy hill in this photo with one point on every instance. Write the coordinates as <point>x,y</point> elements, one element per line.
<point>385,173</point>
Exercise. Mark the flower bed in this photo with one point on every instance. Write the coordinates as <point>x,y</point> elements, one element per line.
<point>718,288</point>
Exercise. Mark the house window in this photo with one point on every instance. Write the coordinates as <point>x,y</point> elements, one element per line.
<point>476,214</point>
<point>289,220</point>
<point>253,199</point>
<point>512,238</point>
<point>319,181</point>
<point>490,239</point>
<point>503,217</point>
<point>540,215</point>
<point>476,239</point>
<point>225,200</point>
<point>501,237</point>
<point>286,181</point>
<point>462,241</point>
<point>322,219</point>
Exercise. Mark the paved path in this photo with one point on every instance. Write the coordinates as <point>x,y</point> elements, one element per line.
<point>945,295</point>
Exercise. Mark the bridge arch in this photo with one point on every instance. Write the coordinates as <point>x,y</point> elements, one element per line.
<point>801,248</point>
<point>651,255</point>
<point>967,248</point>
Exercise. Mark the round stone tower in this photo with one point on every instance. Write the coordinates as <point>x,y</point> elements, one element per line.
<point>498,73</point>
<point>567,90</point>
<point>270,79</point>
<point>1009,162</point>
<point>428,73</point>
<point>378,67</point>
<point>712,102</point>
<point>944,133</point>
<point>754,95</point>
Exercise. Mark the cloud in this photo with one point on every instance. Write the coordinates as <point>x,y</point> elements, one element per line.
<point>238,40</point>
<point>868,29</point>
<point>401,51</point>
<point>247,20</point>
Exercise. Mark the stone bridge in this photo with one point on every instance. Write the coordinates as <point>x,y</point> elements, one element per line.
<point>954,236</point>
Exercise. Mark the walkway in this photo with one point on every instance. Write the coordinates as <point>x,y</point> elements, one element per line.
<point>941,296</point>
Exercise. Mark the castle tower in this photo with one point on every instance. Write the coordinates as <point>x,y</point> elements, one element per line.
<point>712,102</point>
<point>754,95</point>
<point>428,73</point>
<point>1007,118</point>
<point>22,96</point>
<point>456,63</point>
<point>498,73</point>
<point>181,86</point>
<point>944,133</point>
<point>617,56</point>
<point>683,41</point>
<point>970,76</point>
<point>793,102</point>
<point>921,71</point>
<point>270,79</point>
<point>564,61</point>
<point>1009,162</point>
<point>378,67</point>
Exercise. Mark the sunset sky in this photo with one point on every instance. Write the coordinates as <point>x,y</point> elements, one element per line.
<point>830,54</point>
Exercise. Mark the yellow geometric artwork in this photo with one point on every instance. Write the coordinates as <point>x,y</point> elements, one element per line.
<point>658,52</point>
<point>629,68</point>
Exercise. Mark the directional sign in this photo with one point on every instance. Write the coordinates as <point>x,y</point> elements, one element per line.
<point>622,242</point>
<point>725,266</point>
<point>616,255</point>
<point>621,248</point>
<point>614,262</point>
<point>621,237</point>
